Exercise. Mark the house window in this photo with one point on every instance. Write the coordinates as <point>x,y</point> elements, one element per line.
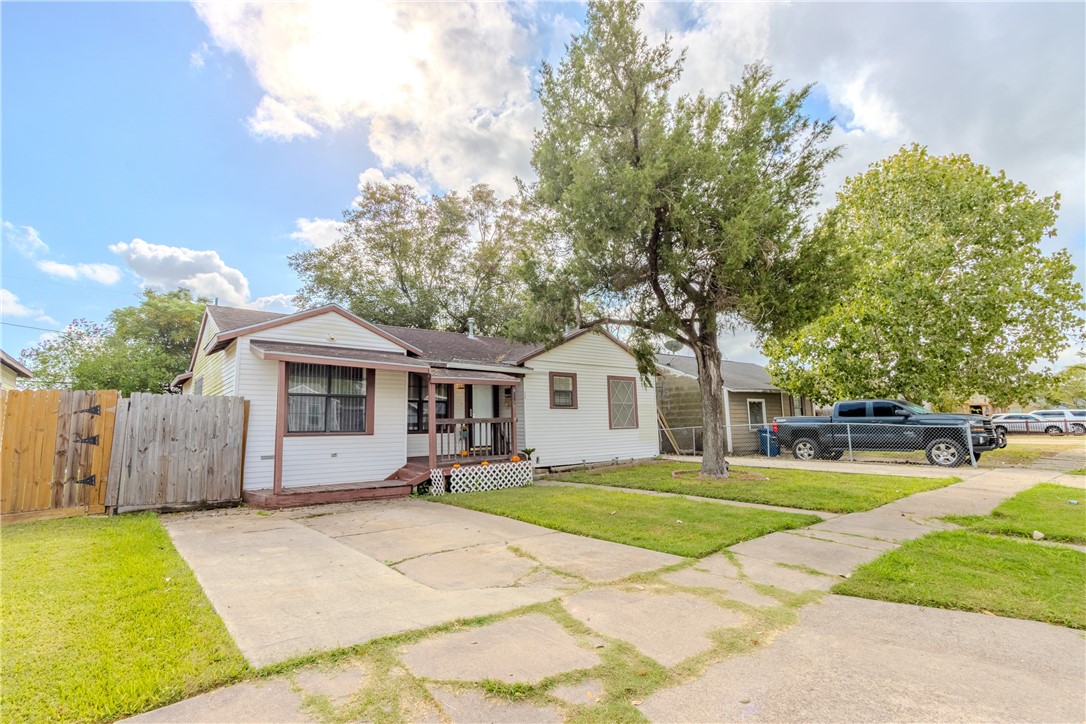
<point>564,390</point>
<point>326,399</point>
<point>418,402</point>
<point>622,402</point>
<point>756,412</point>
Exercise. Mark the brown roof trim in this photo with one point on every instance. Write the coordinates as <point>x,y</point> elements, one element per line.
<point>9,361</point>
<point>572,336</point>
<point>222,340</point>
<point>447,376</point>
<point>181,379</point>
<point>343,357</point>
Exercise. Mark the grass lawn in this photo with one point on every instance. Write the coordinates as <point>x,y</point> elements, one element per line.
<point>809,490</point>
<point>1043,507</point>
<point>973,572</point>
<point>103,618</point>
<point>644,521</point>
<point>1080,471</point>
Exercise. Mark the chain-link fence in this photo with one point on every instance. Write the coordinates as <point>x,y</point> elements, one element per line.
<point>943,445</point>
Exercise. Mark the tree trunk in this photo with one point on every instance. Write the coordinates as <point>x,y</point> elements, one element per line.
<point>714,433</point>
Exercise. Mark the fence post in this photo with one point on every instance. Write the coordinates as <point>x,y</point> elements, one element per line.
<point>848,433</point>
<point>969,443</point>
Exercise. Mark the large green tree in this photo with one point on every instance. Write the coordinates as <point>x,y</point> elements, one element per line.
<point>680,215</point>
<point>420,262</point>
<point>141,349</point>
<point>950,294</point>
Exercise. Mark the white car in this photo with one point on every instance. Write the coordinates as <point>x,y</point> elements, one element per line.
<point>1052,423</point>
<point>1073,421</point>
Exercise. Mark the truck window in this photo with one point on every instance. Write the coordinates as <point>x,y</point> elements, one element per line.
<point>883,409</point>
<point>852,409</point>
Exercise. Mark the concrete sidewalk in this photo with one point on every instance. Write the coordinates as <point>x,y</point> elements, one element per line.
<point>328,577</point>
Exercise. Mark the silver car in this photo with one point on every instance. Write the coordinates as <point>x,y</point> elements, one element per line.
<point>1072,421</point>
<point>1053,423</point>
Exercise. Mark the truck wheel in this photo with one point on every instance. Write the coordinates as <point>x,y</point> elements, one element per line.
<point>1053,430</point>
<point>805,449</point>
<point>945,452</point>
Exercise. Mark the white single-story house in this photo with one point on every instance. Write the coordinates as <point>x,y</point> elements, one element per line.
<point>11,370</point>
<point>751,401</point>
<point>340,407</point>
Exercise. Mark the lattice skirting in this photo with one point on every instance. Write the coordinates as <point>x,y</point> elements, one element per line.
<point>478,478</point>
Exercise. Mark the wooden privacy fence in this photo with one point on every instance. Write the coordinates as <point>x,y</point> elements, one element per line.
<point>54,452</point>
<point>70,453</point>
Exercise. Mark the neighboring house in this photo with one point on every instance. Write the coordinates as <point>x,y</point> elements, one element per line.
<point>11,370</point>
<point>343,404</point>
<point>750,401</point>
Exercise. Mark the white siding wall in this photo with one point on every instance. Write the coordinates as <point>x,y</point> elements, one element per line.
<point>257,382</point>
<point>309,461</point>
<point>568,437</point>
<point>316,330</point>
<point>8,377</point>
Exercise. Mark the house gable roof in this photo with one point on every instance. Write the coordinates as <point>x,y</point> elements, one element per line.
<point>252,321</point>
<point>10,362</point>
<point>737,376</point>
<point>540,349</point>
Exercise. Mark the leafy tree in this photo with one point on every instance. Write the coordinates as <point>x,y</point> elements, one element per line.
<point>950,294</point>
<point>418,262</point>
<point>1068,387</point>
<point>53,360</point>
<point>141,349</point>
<point>679,215</point>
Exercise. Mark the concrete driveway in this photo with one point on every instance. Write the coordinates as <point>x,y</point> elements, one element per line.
<point>314,579</point>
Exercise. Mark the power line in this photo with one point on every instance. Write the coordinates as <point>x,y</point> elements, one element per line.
<point>27,326</point>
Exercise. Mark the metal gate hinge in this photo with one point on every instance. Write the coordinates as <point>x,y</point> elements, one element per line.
<point>92,440</point>
<point>91,480</point>
<point>96,410</point>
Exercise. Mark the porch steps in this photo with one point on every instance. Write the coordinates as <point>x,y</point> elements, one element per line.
<point>412,474</point>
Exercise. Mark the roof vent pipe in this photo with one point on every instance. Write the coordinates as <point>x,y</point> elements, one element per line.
<point>471,327</point>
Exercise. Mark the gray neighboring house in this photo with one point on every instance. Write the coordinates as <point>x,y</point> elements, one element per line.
<point>750,401</point>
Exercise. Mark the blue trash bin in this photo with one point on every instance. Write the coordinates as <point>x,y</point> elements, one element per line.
<point>767,443</point>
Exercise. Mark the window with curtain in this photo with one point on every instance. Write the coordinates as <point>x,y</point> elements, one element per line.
<point>325,399</point>
<point>622,399</point>
<point>418,402</point>
<point>563,390</point>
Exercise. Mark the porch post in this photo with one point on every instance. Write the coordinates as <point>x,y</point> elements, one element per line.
<point>431,421</point>
<point>513,407</point>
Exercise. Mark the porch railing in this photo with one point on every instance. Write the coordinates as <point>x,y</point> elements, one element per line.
<point>473,439</point>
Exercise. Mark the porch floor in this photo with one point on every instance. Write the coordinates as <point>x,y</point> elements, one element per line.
<point>446,465</point>
<point>294,497</point>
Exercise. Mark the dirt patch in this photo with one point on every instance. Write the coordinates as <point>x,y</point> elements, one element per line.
<point>733,474</point>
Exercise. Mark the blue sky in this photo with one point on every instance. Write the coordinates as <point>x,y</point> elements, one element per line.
<point>157,144</point>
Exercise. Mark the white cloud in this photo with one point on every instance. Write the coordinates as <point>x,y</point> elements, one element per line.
<point>101,273</point>
<point>198,57</point>
<point>24,239</point>
<point>10,306</point>
<point>273,303</point>
<point>168,267</point>
<point>377,176</point>
<point>445,87</point>
<point>317,233</point>
<point>273,119</point>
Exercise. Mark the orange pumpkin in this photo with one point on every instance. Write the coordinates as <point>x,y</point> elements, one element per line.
<point>516,458</point>
<point>484,463</point>
<point>463,453</point>
<point>456,466</point>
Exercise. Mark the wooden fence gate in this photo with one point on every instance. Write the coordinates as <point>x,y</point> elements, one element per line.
<point>68,453</point>
<point>55,452</point>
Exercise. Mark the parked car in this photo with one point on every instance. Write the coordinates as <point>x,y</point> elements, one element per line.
<point>888,425</point>
<point>1073,421</point>
<point>1014,422</point>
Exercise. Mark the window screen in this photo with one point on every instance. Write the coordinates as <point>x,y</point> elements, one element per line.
<point>622,398</point>
<point>323,398</point>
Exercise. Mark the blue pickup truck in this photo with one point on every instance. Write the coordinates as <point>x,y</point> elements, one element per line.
<point>888,425</point>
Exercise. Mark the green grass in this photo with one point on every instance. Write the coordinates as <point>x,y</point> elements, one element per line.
<point>809,490</point>
<point>1043,507</point>
<point>1080,471</point>
<point>644,521</point>
<point>102,618</point>
<point>973,572</point>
